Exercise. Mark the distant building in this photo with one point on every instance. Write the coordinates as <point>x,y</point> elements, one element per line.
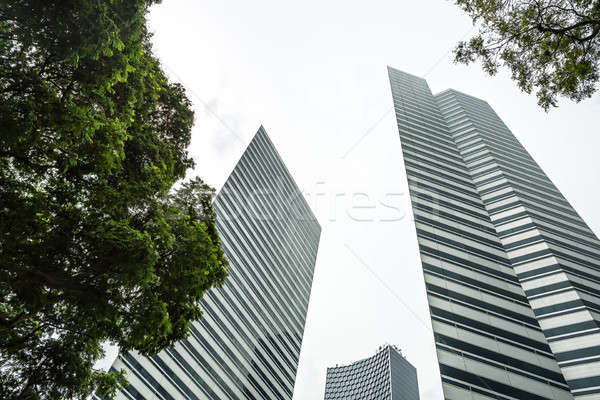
<point>248,342</point>
<point>385,376</point>
<point>512,272</point>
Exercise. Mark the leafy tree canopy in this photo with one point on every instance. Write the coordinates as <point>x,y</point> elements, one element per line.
<point>95,244</point>
<point>552,46</point>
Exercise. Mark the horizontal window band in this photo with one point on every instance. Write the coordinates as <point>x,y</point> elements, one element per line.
<point>575,221</point>
<point>573,335</point>
<point>429,147</point>
<point>420,112</point>
<point>502,360</point>
<point>563,330</point>
<point>530,256</point>
<point>427,141</point>
<point>440,183</point>
<point>547,188</point>
<point>491,200</point>
<point>531,206</point>
<point>550,203</point>
<point>419,136</point>
<point>489,180</point>
<point>492,332</point>
<point>461,246</point>
<point>510,218</point>
<point>461,385</point>
<point>496,338</point>
<point>560,292</point>
<point>500,366</point>
<point>465,137</point>
<point>576,249</point>
<point>515,316</point>
<point>594,243</point>
<point>575,260</point>
<point>516,230</point>
<point>485,130</point>
<point>454,230</point>
<point>532,274</point>
<point>491,385</point>
<point>426,153</point>
<point>561,313</point>
<point>548,288</point>
<point>580,392</point>
<point>461,170</point>
<point>481,157</point>
<point>522,160</point>
<point>466,154</point>
<point>558,246</point>
<point>563,285</point>
<point>579,353</point>
<point>464,262</point>
<point>583,383</point>
<point>514,174</point>
<point>520,243</point>
<point>566,364</point>
<point>524,191</point>
<point>434,216</point>
<point>417,189</point>
<point>568,305</point>
<point>483,192</point>
<point>472,142</point>
<point>505,208</point>
<point>494,290</point>
<point>461,206</point>
<point>513,185</point>
<point>491,166</point>
<point>551,252</point>
<point>501,165</point>
<point>446,177</point>
<point>452,217</point>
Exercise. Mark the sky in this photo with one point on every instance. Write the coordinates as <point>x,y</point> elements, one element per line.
<point>314,74</point>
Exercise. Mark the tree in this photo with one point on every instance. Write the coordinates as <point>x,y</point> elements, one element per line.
<point>96,245</point>
<point>550,45</point>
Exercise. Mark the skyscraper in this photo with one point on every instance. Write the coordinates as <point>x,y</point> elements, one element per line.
<point>385,376</point>
<point>512,272</point>
<point>248,343</point>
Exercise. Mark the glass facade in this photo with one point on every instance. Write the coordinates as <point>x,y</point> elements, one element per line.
<point>385,376</point>
<point>512,272</point>
<point>248,343</point>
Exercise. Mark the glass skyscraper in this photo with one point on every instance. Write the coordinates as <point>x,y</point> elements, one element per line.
<point>512,272</point>
<point>385,376</point>
<point>248,343</point>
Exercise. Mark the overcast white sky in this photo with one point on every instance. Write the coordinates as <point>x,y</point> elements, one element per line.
<point>314,74</point>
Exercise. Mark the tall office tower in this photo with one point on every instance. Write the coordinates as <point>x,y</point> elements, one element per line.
<point>385,376</point>
<point>512,272</point>
<point>248,343</point>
